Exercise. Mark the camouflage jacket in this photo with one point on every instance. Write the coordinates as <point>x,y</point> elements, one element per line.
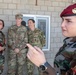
<point>36,38</point>
<point>2,40</point>
<point>17,37</point>
<point>66,55</point>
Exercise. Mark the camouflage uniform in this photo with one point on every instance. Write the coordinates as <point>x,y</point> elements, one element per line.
<point>2,58</point>
<point>72,70</point>
<point>66,55</point>
<point>17,38</point>
<point>35,38</point>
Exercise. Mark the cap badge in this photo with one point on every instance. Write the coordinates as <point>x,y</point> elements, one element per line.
<point>74,11</point>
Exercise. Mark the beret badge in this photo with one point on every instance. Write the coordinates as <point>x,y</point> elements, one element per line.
<point>74,11</point>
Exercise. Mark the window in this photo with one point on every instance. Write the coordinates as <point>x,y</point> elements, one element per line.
<point>42,22</point>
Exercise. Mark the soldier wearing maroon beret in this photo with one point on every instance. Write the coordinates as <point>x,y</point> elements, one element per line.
<point>69,11</point>
<point>65,58</point>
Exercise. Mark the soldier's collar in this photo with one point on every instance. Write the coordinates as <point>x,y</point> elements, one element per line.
<point>69,40</point>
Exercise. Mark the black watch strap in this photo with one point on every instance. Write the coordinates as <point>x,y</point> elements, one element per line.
<point>44,66</point>
<point>47,64</point>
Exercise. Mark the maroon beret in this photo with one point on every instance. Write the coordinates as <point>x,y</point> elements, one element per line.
<point>69,11</point>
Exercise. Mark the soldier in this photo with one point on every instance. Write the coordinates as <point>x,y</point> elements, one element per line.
<point>2,46</point>
<point>17,39</point>
<point>65,58</point>
<point>35,38</point>
<point>66,53</point>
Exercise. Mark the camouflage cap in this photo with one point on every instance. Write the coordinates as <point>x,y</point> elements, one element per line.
<point>18,16</point>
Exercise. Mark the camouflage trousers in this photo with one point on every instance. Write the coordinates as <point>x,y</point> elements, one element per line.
<point>30,68</point>
<point>1,63</point>
<point>16,62</point>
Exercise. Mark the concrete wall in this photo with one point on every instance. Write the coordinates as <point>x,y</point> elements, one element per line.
<point>8,9</point>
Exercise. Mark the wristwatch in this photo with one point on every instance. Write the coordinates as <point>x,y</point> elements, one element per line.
<point>44,66</point>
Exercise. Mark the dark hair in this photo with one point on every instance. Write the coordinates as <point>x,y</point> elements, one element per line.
<point>32,20</point>
<point>2,22</point>
<point>23,23</point>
